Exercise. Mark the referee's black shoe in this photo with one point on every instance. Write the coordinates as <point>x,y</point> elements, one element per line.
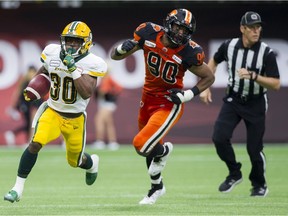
<point>259,191</point>
<point>230,182</point>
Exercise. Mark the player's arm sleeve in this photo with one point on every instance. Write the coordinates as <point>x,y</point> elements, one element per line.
<point>195,57</point>
<point>140,32</point>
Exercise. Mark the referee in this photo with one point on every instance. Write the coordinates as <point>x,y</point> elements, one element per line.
<point>252,69</point>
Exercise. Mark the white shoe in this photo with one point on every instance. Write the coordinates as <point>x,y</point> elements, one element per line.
<point>113,146</point>
<point>157,167</point>
<point>10,138</point>
<point>152,198</point>
<point>92,173</point>
<point>12,196</point>
<point>100,145</point>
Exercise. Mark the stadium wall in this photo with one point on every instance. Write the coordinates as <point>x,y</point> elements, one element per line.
<point>25,32</point>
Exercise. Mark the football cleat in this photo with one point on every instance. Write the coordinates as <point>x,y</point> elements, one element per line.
<point>12,196</point>
<point>92,173</point>
<point>157,166</point>
<point>153,196</point>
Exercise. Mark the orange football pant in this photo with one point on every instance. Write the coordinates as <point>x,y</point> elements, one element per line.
<point>156,117</point>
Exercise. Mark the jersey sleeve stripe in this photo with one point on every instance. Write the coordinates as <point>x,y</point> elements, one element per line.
<point>96,74</point>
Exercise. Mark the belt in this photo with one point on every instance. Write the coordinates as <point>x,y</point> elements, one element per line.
<point>244,98</point>
<point>69,115</point>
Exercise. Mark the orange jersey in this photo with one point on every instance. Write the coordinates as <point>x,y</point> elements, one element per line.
<point>165,67</point>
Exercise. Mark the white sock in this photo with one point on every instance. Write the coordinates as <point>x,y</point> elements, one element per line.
<point>19,185</point>
<point>94,168</point>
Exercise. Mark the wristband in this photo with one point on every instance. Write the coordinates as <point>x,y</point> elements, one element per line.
<point>119,50</point>
<point>195,90</point>
<point>75,74</point>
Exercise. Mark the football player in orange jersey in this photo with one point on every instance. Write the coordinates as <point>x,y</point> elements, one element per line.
<point>169,52</point>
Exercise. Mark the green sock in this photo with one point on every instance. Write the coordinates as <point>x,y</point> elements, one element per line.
<point>26,164</point>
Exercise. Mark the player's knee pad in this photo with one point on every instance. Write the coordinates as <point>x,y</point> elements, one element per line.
<point>138,142</point>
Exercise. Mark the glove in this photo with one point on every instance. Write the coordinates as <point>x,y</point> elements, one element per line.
<point>26,95</point>
<point>126,46</point>
<point>69,62</point>
<point>177,96</point>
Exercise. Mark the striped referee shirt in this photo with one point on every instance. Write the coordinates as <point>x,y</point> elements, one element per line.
<point>259,58</point>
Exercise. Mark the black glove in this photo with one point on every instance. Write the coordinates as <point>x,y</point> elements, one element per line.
<point>126,46</point>
<point>178,96</point>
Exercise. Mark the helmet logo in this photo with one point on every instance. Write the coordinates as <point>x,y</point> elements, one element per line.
<point>173,13</point>
<point>73,27</point>
<point>188,17</point>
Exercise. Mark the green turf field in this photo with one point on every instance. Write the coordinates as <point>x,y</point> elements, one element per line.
<point>192,176</point>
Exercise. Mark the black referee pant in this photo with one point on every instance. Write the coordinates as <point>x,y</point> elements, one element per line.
<point>253,113</point>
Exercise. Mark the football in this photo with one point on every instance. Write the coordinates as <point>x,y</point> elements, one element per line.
<point>38,87</point>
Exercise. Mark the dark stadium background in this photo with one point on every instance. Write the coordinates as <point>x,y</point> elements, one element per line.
<point>111,21</point>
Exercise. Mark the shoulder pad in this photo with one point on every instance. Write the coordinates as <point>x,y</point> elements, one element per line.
<point>50,50</point>
<point>148,27</point>
<point>193,54</point>
<point>93,65</point>
<point>146,31</point>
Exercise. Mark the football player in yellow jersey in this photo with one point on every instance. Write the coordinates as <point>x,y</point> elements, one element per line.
<point>73,72</point>
<point>169,52</point>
